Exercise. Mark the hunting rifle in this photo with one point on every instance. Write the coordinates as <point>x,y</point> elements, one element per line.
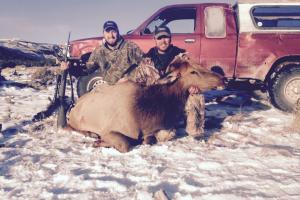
<point>59,99</point>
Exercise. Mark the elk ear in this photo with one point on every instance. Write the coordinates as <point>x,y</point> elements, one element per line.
<point>170,78</point>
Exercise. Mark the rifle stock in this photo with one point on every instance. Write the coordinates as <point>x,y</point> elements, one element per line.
<point>62,108</point>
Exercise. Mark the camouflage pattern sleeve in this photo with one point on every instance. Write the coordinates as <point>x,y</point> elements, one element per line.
<point>93,55</point>
<point>96,60</point>
<point>92,59</point>
<point>145,74</point>
<point>195,115</point>
<point>135,53</point>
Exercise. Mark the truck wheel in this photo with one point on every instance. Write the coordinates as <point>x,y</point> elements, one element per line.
<point>87,83</point>
<point>285,88</point>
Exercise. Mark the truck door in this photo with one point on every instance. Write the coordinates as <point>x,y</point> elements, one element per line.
<point>182,23</point>
<point>219,39</point>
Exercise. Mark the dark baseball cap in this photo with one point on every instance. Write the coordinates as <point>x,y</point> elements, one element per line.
<point>162,31</point>
<point>110,25</point>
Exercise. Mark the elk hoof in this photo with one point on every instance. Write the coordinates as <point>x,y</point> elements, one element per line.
<point>165,135</point>
<point>100,143</point>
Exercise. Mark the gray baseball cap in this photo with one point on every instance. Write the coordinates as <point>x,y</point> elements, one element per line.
<point>162,31</point>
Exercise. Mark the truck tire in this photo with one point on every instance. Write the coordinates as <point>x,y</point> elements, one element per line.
<point>284,90</point>
<point>87,83</point>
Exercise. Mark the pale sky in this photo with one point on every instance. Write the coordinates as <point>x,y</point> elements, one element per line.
<point>50,21</point>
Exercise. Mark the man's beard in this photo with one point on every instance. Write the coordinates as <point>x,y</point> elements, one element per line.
<point>115,41</point>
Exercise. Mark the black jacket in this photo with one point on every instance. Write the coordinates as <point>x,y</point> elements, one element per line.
<point>161,61</point>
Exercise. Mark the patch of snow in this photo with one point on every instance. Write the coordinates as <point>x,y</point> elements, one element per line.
<point>248,152</point>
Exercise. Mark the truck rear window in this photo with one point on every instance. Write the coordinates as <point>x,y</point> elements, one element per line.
<point>215,22</point>
<point>282,17</point>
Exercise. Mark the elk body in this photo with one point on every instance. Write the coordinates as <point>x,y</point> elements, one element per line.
<point>125,113</point>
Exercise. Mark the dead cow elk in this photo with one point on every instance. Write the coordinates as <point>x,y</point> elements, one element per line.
<point>126,112</point>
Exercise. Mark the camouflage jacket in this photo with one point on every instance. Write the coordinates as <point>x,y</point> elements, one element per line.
<point>113,64</point>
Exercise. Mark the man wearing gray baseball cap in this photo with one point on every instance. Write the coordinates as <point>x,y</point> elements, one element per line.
<point>155,65</point>
<point>163,52</point>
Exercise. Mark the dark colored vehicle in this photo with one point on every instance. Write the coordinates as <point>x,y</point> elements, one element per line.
<point>253,40</point>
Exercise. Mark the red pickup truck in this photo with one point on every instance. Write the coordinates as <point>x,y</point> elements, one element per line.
<point>253,40</point>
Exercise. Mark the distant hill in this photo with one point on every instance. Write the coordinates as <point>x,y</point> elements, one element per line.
<point>19,52</point>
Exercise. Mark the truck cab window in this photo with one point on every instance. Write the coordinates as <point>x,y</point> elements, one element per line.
<point>179,20</point>
<point>276,17</point>
<point>215,22</point>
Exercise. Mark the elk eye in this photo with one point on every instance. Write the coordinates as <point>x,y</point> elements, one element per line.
<point>194,72</point>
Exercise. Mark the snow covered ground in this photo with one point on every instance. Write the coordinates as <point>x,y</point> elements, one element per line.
<point>250,151</point>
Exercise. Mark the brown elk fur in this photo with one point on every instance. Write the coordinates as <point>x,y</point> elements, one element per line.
<point>125,113</point>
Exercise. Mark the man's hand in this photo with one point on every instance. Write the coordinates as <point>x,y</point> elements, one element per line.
<point>122,80</point>
<point>64,65</point>
<point>89,64</point>
<point>194,90</point>
<point>147,61</point>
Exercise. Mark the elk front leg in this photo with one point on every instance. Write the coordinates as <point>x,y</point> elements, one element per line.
<point>116,140</point>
